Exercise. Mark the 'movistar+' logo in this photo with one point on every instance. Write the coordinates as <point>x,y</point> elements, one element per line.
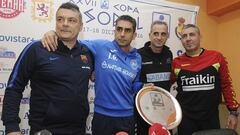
<point>11,8</point>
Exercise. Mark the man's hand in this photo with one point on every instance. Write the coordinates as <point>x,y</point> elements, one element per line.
<point>49,41</point>
<point>232,121</point>
<point>92,77</point>
<point>14,133</point>
<point>151,85</point>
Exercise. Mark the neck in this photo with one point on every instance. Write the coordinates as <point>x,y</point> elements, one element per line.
<point>195,53</point>
<point>156,49</point>
<point>69,44</point>
<point>126,48</point>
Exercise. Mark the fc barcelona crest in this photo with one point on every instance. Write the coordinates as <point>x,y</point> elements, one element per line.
<point>84,58</point>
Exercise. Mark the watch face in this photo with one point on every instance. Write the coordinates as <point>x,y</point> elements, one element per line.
<point>156,105</point>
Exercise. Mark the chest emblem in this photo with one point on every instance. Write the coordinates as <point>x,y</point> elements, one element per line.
<point>84,58</point>
<point>133,64</point>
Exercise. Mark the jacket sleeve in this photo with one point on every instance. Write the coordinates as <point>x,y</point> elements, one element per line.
<point>226,86</point>
<point>16,84</point>
<point>172,76</point>
<point>90,44</point>
<point>94,45</point>
<point>137,85</point>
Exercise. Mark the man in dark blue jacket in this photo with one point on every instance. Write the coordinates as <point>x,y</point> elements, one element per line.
<point>59,81</point>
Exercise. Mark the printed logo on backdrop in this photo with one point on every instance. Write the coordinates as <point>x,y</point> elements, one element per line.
<point>42,10</point>
<point>4,53</point>
<point>100,13</point>
<point>26,115</point>
<point>25,100</point>
<point>179,27</point>
<point>24,131</point>
<point>11,8</point>
<point>179,52</point>
<point>15,38</point>
<point>162,17</point>
<point>178,31</point>
<point>6,58</point>
<point>3,86</point>
<point>104,4</point>
<point>5,67</point>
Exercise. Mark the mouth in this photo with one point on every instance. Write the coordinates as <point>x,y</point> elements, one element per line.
<point>158,43</point>
<point>121,40</point>
<point>65,31</point>
<point>188,45</point>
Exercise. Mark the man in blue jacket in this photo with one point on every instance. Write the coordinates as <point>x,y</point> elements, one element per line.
<point>117,69</point>
<point>59,81</point>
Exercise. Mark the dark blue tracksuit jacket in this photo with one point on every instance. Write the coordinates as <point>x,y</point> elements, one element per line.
<point>59,88</point>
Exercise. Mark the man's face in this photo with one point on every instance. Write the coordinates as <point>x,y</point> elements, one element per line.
<point>68,24</point>
<point>190,39</point>
<point>124,33</point>
<point>158,35</point>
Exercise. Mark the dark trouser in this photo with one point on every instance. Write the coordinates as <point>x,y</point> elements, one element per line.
<point>106,125</point>
<point>142,126</point>
<point>189,126</point>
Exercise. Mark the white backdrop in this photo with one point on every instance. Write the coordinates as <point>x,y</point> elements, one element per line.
<point>22,21</point>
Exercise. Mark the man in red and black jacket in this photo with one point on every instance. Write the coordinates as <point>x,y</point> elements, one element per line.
<point>202,77</point>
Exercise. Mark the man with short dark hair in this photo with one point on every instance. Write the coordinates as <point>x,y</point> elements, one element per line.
<point>59,81</point>
<point>117,74</point>
<point>202,77</point>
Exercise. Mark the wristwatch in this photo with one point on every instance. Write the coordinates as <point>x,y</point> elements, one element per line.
<point>235,113</point>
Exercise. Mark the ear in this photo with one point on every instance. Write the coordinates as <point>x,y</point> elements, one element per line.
<point>81,27</point>
<point>134,35</point>
<point>168,34</point>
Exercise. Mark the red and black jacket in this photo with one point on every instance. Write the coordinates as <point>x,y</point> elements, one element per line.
<point>201,80</point>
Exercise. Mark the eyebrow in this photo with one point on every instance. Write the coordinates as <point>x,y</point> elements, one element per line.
<point>125,29</point>
<point>159,32</point>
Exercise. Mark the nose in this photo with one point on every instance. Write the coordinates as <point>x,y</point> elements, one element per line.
<point>188,37</point>
<point>159,36</point>
<point>122,33</point>
<point>65,22</point>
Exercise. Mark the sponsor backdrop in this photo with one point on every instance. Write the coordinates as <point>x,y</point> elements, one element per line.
<point>23,21</point>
